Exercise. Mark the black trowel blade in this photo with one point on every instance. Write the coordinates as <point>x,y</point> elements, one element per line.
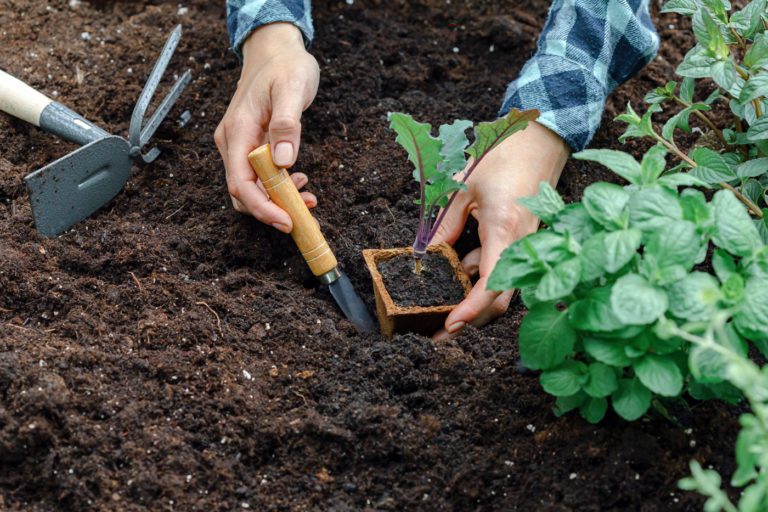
<point>351,304</point>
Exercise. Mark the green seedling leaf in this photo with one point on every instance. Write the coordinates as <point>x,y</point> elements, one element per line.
<point>560,281</point>
<point>631,400</point>
<point>661,93</point>
<point>635,301</point>
<point>653,208</point>
<point>593,409</point>
<point>602,380</point>
<point>546,337</point>
<point>735,231</point>
<point>711,168</point>
<point>677,243</point>
<point>659,374</point>
<point>606,204</point>
<point>594,312</point>
<point>694,297</point>
<point>637,126</point>
<point>574,220</point>
<point>752,319</point>
<point>454,141</point>
<point>565,379</point>
<point>423,149</point>
<point>490,135</point>
<point>619,162</point>
<point>610,352</point>
<point>752,168</point>
<point>545,205</point>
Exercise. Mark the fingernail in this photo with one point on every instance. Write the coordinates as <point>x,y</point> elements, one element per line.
<point>281,227</point>
<point>283,154</point>
<point>455,327</point>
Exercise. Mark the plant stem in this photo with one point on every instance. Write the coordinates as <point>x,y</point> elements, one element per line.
<point>682,156</point>
<point>450,200</point>
<point>705,119</point>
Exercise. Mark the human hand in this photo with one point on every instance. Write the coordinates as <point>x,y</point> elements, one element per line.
<point>278,82</point>
<point>510,171</point>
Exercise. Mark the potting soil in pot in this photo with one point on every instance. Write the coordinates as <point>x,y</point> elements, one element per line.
<point>435,286</point>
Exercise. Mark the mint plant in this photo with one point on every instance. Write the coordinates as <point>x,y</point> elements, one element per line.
<point>438,160</point>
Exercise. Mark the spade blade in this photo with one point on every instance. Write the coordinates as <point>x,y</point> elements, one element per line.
<point>71,188</point>
<point>351,304</point>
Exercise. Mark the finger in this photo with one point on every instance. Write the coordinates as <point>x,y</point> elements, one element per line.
<point>471,307</point>
<point>471,261</point>
<point>285,123</point>
<point>309,199</point>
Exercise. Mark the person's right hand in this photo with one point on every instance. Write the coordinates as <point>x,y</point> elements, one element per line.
<point>278,82</point>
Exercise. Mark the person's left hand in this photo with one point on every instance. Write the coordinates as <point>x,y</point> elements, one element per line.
<point>510,171</point>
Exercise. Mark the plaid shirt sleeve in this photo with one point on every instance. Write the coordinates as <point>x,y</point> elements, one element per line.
<point>585,50</point>
<point>245,16</point>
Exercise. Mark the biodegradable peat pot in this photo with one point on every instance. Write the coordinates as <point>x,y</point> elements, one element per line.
<point>424,320</point>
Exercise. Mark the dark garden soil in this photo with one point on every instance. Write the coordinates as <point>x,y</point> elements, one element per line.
<point>169,353</point>
<point>435,285</point>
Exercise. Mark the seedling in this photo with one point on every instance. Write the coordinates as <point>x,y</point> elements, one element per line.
<point>438,163</point>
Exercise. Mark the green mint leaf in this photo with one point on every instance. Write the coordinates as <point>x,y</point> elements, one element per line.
<point>735,231</point>
<point>546,337</point>
<point>686,90</point>
<point>439,190</point>
<point>593,258</point>
<point>759,48</point>
<point>686,7</point>
<point>653,164</point>
<point>574,220</point>
<point>752,168</point>
<point>653,208</point>
<point>752,190</point>
<point>565,404</point>
<point>635,301</point>
<point>594,313</point>
<point>681,179</point>
<point>631,400</point>
<point>752,318</point>
<point>711,167</point>
<point>659,374</point>
<point>526,260</point>
<point>423,149</point>
<point>606,204</point>
<point>723,264</point>
<point>638,127</point>
<point>619,162</point>
<point>756,86</point>
<point>694,297</point>
<point>677,243</point>
<point>593,409</point>
<point>620,247</point>
<point>602,380</point>
<point>545,205</point>
<point>560,281</point>
<point>707,365</point>
<point>680,120</point>
<point>454,141</point>
<point>564,379</point>
<point>719,8</point>
<point>695,207</point>
<point>758,130</point>
<point>708,34</point>
<point>608,351</point>
<point>490,135</point>
<point>697,63</point>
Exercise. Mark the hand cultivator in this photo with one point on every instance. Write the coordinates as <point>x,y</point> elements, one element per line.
<point>71,188</point>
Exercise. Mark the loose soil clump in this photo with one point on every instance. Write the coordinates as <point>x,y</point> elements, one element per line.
<point>169,353</point>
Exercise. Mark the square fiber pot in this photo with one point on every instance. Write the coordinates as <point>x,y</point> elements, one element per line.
<point>417,319</point>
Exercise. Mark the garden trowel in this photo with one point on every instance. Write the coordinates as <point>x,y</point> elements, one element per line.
<point>309,238</point>
<point>74,186</point>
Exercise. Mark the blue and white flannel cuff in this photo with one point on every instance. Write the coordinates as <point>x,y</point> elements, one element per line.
<point>585,50</point>
<point>245,16</point>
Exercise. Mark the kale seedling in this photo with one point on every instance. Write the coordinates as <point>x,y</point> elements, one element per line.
<point>438,160</point>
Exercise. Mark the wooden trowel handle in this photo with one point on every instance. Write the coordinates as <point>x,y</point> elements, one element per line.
<point>20,100</point>
<point>284,194</point>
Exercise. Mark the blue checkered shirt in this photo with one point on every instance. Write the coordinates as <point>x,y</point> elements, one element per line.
<point>586,49</point>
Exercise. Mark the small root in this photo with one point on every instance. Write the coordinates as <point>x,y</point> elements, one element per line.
<point>218,320</point>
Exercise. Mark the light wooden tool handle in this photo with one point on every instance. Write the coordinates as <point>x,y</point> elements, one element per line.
<point>284,194</point>
<point>20,100</point>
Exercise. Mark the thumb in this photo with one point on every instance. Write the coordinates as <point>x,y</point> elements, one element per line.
<point>285,123</point>
<point>451,226</point>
